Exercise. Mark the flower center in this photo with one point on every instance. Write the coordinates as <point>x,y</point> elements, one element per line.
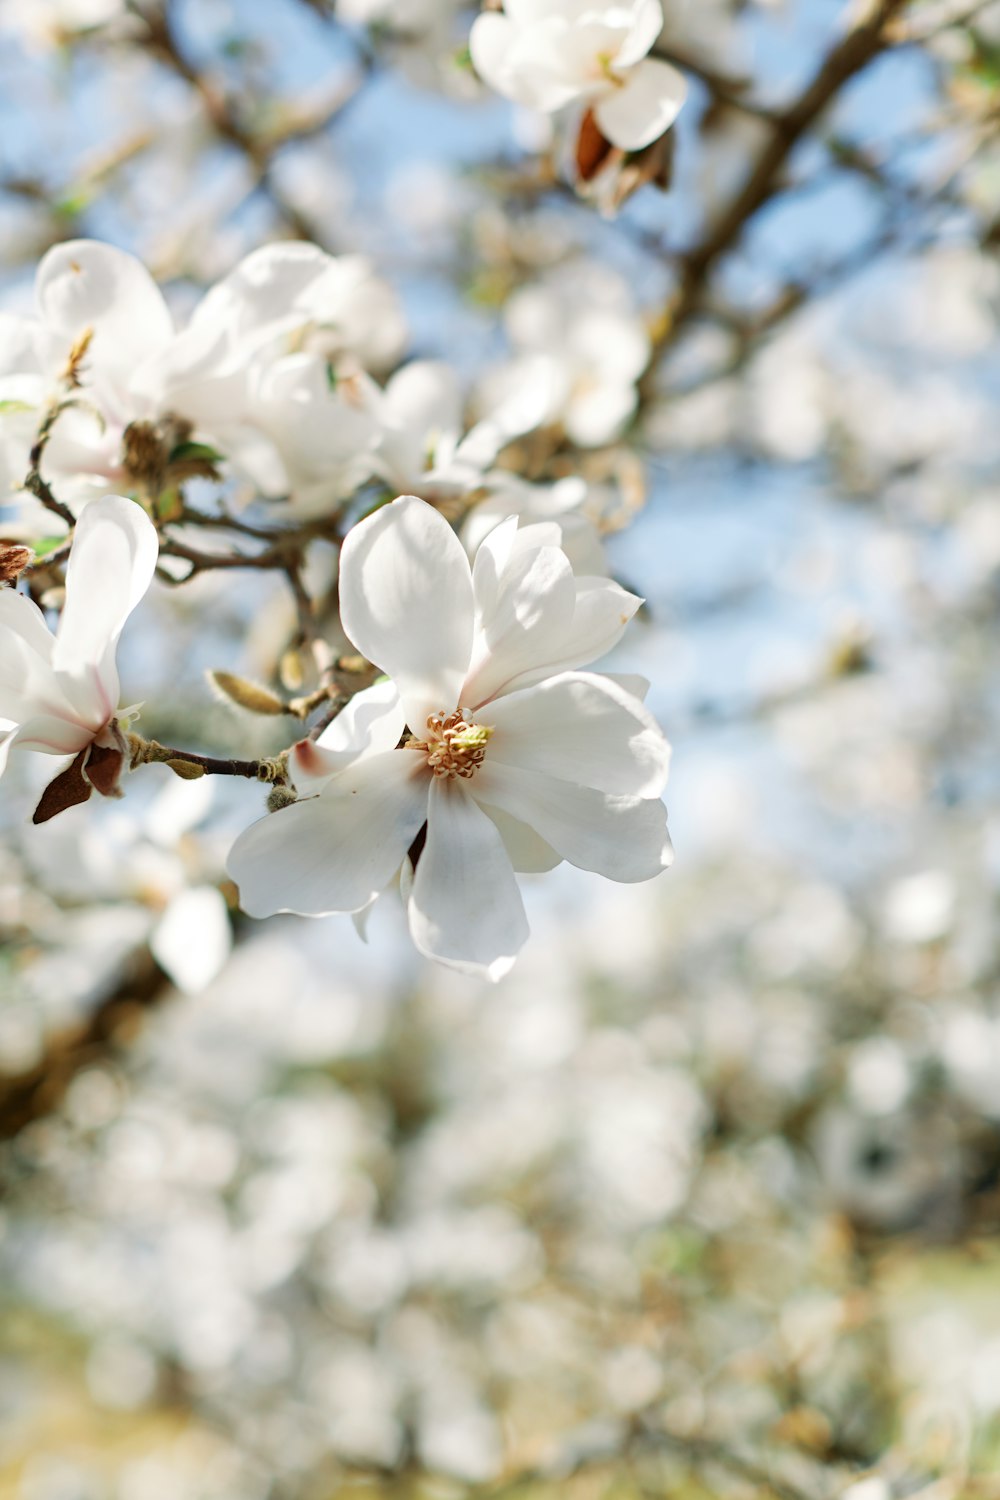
<point>454,746</point>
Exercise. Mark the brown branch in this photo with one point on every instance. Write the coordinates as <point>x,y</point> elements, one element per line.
<point>723,87</point>
<point>189,764</point>
<point>206,562</point>
<point>850,56</point>
<point>642,1438</point>
<point>33,482</point>
<point>37,1092</point>
<point>258,147</point>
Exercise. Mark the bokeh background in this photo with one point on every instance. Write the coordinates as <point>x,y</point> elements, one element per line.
<point>702,1200</point>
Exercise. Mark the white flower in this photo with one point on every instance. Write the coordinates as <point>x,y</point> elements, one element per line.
<point>423,448</point>
<point>272,366</point>
<point>550,53</point>
<point>580,348</point>
<point>561,503</point>
<point>99,299</point>
<point>294,297</point>
<point>270,370</point>
<point>59,693</point>
<point>47,22</point>
<point>512,758</point>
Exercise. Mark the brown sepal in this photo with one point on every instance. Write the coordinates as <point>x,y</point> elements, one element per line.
<point>592,149</point>
<point>68,789</point>
<point>653,164</point>
<point>613,176</point>
<point>13,561</point>
<point>103,769</point>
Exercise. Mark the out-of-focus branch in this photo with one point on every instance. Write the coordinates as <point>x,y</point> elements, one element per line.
<point>723,87</point>
<point>849,57</point>
<point>37,1092</point>
<point>258,147</point>
<point>644,1438</point>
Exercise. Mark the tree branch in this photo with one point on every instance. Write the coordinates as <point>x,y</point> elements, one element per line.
<point>850,56</point>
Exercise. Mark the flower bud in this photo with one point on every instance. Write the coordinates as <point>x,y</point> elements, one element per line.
<point>249,695</point>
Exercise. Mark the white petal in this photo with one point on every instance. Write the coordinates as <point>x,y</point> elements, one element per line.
<point>527,850</point>
<point>85,285</point>
<point>631,682</point>
<point>598,414</point>
<point>647,23</point>
<point>45,733</point>
<point>622,838</point>
<point>372,722</point>
<point>603,610</point>
<point>585,729</point>
<point>614,344</point>
<point>527,12</point>
<point>465,909</point>
<point>22,616</point>
<point>255,457</point>
<point>422,405</point>
<point>493,557</point>
<point>531,608</point>
<point>111,565</point>
<point>562,62</point>
<point>334,852</point>
<point>352,310</point>
<point>327,442</point>
<point>406,603</point>
<point>28,684</point>
<point>193,938</point>
<point>645,108</point>
<point>263,288</point>
<point>362,918</point>
<point>490,42</point>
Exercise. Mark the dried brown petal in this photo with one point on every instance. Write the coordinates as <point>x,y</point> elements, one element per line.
<point>69,789</point>
<point>103,769</point>
<point>13,561</point>
<point>592,148</point>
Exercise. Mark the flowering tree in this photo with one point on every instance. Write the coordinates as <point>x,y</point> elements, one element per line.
<point>340,356</point>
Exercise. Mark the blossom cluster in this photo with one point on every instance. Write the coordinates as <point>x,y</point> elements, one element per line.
<point>483,751</point>
<point>274,376</point>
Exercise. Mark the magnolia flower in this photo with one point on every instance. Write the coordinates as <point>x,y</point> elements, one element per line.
<point>487,751</point>
<point>550,53</point>
<point>48,22</point>
<point>293,297</point>
<point>271,372</point>
<point>98,309</point>
<point>273,366</point>
<point>580,347</point>
<point>59,693</point>
<point>562,502</point>
<point>423,446</point>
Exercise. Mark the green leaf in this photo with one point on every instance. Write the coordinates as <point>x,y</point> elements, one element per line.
<point>194,453</point>
<point>15,406</point>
